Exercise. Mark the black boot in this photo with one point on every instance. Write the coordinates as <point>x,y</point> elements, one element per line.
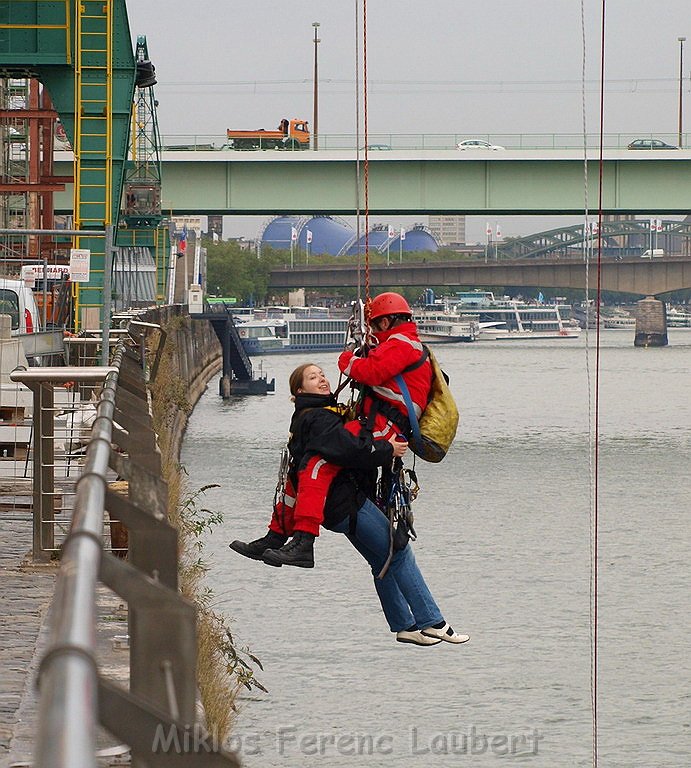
<point>255,549</point>
<point>298,551</point>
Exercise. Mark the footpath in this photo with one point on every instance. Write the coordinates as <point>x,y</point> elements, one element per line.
<point>26,593</point>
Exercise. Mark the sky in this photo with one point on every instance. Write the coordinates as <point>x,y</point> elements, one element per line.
<point>490,68</point>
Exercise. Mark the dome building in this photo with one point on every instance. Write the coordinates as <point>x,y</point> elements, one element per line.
<point>336,237</point>
<point>419,238</point>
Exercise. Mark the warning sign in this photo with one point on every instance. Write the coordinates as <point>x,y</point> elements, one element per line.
<point>80,261</point>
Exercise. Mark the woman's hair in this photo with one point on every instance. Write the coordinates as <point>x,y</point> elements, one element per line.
<point>296,377</point>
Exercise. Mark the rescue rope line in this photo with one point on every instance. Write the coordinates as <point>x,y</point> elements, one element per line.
<point>357,148</point>
<point>593,392</point>
<point>596,426</point>
<point>587,250</point>
<point>366,154</point>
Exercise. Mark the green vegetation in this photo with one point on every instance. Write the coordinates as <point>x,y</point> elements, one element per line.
<point>240,272</point>
<point>223,667</point>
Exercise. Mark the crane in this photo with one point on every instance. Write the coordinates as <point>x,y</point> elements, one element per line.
<point>140,266</point>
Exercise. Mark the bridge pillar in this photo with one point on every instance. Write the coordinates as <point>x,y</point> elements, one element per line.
<point>651,323</point>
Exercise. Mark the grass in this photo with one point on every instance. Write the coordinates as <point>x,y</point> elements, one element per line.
<point>223,668</point>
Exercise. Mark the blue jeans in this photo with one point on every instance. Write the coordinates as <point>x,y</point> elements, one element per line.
<point>405,597</point>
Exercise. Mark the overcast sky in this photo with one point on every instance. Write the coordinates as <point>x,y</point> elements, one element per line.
<point>492,67</point>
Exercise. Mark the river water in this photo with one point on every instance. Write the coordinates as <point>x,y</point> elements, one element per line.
<point>504,542</point>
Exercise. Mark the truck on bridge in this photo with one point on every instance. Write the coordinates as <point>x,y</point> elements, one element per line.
<point>291,134</point>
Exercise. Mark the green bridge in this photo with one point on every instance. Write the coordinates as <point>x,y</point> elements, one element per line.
<point>418,182</point>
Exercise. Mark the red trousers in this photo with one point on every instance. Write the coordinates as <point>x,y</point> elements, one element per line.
<point>304,510</point>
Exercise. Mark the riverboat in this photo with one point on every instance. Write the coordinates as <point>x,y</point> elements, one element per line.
<point>509,319</point>
<point>678,318</point>
<point>276,330</point>
<point>443,328</point>
<point>619,322</point>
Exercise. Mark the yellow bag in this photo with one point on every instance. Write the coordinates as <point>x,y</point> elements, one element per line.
<point>432,435</point>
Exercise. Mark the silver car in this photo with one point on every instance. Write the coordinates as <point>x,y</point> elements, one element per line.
<point>476,144</point>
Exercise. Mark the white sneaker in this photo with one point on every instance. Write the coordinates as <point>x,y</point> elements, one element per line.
<point>445,633</point>
<point>415,637</point>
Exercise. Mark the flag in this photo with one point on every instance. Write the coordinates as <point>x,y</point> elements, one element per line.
<point>293,234</point>
<point>402,233</point>
<point>498,231</point>
<point>309,236</point>
<point>183,239</point>
<point>595,228</point>
<point>658,225</point>
<point>540,298</point>
<point>391,231</point>
<point>488,230</point>
<point>653,225</point>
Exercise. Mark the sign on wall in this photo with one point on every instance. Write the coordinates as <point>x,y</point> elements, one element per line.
<point>80,261</point>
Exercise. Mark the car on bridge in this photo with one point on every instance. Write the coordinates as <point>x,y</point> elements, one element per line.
<point>650,144</point>
<point>477,144</point>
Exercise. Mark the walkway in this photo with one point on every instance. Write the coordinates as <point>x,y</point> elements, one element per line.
<point>25,595</point>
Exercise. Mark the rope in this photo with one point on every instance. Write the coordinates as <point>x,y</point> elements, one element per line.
<point>587,243</point>
<point>594,418</point>
<point>593,396</point>
<point>357,147</point>
<point>366,137</point>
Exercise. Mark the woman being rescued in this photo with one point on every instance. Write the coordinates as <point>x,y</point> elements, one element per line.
<point>339,493</point>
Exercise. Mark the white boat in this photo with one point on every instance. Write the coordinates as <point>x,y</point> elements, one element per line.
<point>678,318</point>
<point>508,319</point>
<point>443,328</point>
<point>273,330</point>
<point>620,322</point>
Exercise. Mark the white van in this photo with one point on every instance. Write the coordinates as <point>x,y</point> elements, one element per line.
<point>17,300</point>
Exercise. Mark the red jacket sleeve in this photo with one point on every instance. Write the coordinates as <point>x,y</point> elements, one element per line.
<point>381,364</point>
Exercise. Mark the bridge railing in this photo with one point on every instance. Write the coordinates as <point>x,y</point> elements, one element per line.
<point>379,143</point>
<point>154,716</point>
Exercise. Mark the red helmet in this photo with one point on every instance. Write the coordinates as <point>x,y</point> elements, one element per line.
<point>388,304</point>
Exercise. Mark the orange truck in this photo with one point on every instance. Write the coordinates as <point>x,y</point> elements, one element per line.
<point>291,134</point>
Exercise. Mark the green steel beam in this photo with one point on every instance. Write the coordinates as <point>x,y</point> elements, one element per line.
<point>37,39</point>
<point>517,182</point>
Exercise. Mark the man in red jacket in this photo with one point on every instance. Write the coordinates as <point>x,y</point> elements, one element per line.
<point>399,351</point>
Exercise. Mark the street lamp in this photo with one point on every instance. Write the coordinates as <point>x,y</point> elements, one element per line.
<point>681,80</point>
<point>315,111</point>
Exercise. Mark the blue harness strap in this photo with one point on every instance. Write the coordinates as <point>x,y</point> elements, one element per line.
<point>412,416</point>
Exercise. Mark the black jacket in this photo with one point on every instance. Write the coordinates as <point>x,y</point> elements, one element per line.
<point>316,430</point>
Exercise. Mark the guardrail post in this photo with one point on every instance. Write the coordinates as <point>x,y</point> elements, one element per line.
<point>163,650</point>
<point>41,381</point>
<point>44,478</point>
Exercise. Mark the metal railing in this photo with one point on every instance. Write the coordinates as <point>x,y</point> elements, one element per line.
<point>75,696</point>
<point>379,143</point>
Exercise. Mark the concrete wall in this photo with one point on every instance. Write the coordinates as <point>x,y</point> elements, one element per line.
<point>191,356</point>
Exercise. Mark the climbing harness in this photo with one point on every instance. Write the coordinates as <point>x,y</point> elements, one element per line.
<point>398,489</point>
<point>282,500</point>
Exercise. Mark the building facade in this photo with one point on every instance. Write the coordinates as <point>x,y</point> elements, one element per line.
<point>447,229</point>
